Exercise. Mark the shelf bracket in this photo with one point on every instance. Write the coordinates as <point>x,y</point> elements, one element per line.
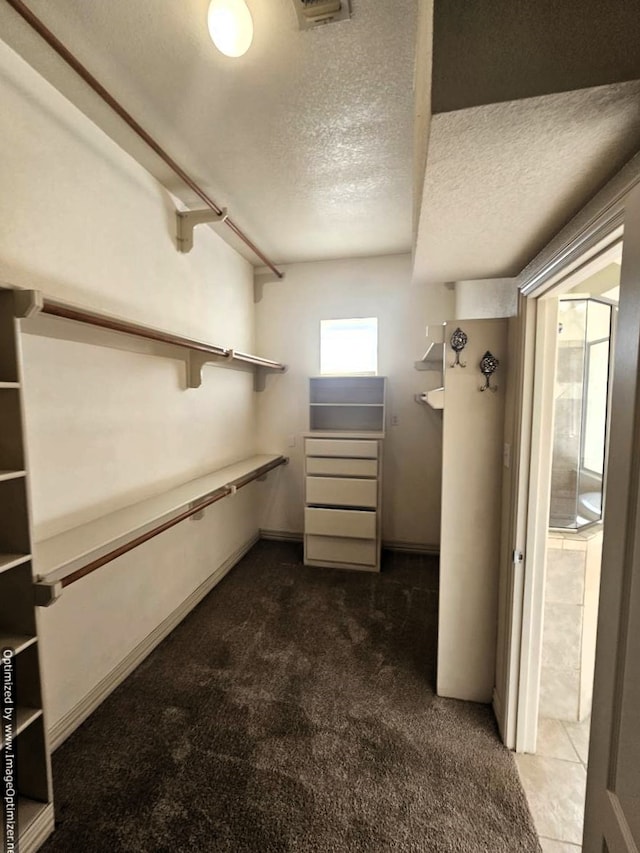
<point>187,221</point>
<point>259,282</point>
<point>27,303</point>
<point>46,592</point>
<point>196,361</point>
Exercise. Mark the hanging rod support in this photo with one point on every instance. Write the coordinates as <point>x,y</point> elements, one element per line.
<point>27,303</point>
<point>187,221</point>
<point>46,592</point>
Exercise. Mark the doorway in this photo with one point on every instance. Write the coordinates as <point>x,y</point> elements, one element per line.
<point>580,317</point>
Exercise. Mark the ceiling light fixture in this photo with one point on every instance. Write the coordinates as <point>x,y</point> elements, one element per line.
<point>230,26</point>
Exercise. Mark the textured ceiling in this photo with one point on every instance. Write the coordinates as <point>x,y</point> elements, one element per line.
<point>502,179</point>
<point>486,51</point>
<point>307,139</point>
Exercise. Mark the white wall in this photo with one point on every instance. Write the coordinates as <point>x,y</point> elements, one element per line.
<point>105,427</point>
<point>288,328</point>
<point>471,517</point>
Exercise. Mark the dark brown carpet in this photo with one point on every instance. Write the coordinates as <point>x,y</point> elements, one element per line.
<point>293,710</point>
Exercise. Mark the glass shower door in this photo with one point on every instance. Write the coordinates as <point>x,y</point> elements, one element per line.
<point>581,410</point>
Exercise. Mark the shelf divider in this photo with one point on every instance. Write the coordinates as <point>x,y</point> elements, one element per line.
<point>24,718</point>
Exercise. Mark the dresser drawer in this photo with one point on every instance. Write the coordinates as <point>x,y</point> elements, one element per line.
<point>335,549</point>
<point>355,449</point>
<point>342,467</point>
<point>340,491</point>
<point>353,523</point>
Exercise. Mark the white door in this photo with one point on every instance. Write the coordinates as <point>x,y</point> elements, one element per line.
<point>612,820</point>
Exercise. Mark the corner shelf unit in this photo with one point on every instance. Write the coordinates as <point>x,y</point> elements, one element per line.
<point>351,403</point>
<point>434,398</point>
<point>343,472</point>
<point>18,630</point>
<point>433,359</point>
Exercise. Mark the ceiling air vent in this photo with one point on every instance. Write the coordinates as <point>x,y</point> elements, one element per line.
<point>313,13</point>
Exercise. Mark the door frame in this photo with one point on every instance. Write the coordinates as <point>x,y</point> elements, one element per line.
<point>612,816</point>
<point>590,248</point>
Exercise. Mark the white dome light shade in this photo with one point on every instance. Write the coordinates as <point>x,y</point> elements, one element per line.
<point>230,26</point>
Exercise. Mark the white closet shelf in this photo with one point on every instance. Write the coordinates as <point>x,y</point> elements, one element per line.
<point>11,475</point>
<point>17,642</point>
<point>8,561</point>
<point>62,555</point>
<point>433,359</point>
<point>9,385</point>
<point>29,303</point>
<point>24,718</point>
<point>433,398</point>
<point>343,433</point>
<point>351,405</point>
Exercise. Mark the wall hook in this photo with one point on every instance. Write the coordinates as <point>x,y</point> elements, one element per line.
<point>458,343</point>
<point>488,366</point>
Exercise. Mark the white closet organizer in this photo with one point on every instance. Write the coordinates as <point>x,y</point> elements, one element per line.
<point>31,303</point>
<point>26,753</point>
<point>67,558</point>
<point>72,555</point>
<point>343,472</point>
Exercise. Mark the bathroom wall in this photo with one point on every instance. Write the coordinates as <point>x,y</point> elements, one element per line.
<point>570,622</point>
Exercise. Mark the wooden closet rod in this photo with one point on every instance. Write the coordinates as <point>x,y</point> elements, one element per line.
<point>92,318</point>
<point>104,321</point>
<point>54,42</point>
<point>195,507</point>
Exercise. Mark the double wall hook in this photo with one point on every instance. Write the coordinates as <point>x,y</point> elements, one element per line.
<point>458,343</point>
<point>488,366</point>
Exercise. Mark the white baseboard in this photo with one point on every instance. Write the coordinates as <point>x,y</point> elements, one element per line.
<point>390,545</point>
<point>61,730</point>
<point>498,712</point>
<point>280,535</point>
<point>411,547</point>
<point>497,707</point>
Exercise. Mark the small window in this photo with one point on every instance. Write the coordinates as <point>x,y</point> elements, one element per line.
<point>349,346</point>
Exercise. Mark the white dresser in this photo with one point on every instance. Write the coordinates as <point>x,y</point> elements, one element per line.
<point>343,472</point>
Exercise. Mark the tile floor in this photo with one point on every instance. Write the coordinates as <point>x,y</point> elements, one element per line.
<point>554,781</point>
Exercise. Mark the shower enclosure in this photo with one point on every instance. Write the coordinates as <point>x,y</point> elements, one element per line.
<point>581,412</point>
